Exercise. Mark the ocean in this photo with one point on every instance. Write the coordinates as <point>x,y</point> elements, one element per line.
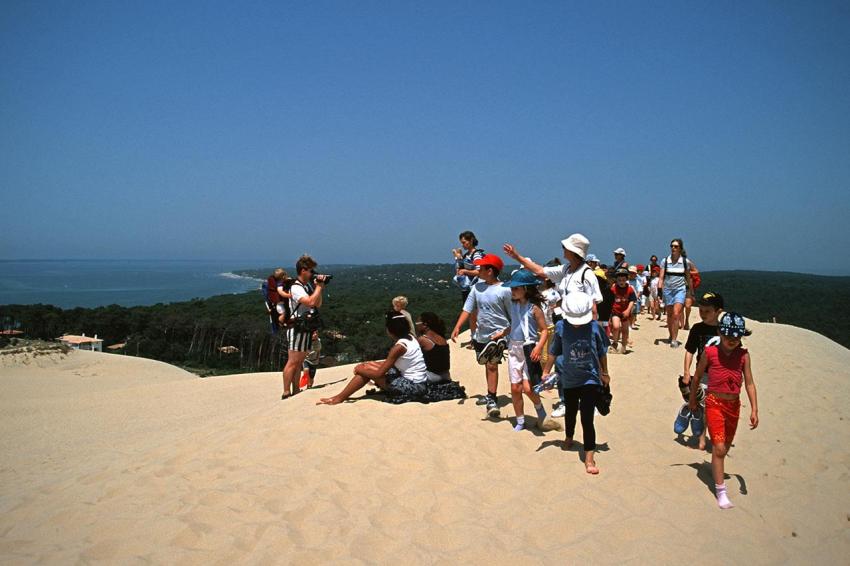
<point>93,283</point>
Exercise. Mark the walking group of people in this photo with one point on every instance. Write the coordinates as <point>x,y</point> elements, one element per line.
<point>567,317</point>
<point>570,316</point>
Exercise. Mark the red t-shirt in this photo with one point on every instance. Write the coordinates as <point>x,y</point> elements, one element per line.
<point>725,371</point>
<point>622,297</point>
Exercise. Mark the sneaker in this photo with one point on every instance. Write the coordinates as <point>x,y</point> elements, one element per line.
<point>675,344</point>
<point>697,424</point>
<point>499,353</point>
<point>492,408</point>
<point>559,411</point>
<point>485,353</point>
<point>683,419</point>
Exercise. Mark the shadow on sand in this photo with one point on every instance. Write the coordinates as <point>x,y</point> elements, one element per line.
<point>704,475</point>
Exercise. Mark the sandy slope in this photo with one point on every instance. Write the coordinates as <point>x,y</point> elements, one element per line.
<point>114,459</point>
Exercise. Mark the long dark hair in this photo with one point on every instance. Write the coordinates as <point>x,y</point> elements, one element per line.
<point>468,235</point>
<point>532,295</point>
<point>433,322</point>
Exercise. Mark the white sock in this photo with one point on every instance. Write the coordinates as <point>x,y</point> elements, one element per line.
<point>722,499</point>
<point>520,423</point>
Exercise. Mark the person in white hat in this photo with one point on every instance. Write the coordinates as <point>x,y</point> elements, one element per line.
<point>580,348</point>
<point>576,275</point>
<point>619,259</point>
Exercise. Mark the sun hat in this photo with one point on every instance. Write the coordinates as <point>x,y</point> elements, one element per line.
<point>732,324</point>
<point>591,257</point>
<point>578,308</point>
<point>492,260</point>
<point>622,271</point>
<point>522,278</point>
<point>632,269</point>
<point>620,251</point>
<point>711,299</point>
<point>577,244</point>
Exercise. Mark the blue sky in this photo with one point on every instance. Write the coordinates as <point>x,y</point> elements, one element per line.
<point>366,132</point>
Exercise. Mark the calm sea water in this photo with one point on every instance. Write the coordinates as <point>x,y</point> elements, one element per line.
<point>92,283</point>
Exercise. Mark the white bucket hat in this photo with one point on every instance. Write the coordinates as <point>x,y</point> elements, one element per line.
<point>577,244</point>
<point>578,308</point>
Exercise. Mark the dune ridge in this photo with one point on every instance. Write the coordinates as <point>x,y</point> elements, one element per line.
<point>117,459</point>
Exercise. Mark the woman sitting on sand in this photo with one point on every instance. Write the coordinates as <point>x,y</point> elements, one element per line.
<point>435,349</point>
<point>403,372</point>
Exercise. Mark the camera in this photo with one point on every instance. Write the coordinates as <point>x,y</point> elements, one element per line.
<point>324,278</point>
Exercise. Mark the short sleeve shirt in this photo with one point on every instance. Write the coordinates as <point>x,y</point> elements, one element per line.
<point>493,305</point>
<point>583,279</point>
<point>699,337</point>
<point>622,297</point>
<point>581,349</point>
<point>300,291</point>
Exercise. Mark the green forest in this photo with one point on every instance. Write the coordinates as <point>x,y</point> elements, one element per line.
<point>195,334</point>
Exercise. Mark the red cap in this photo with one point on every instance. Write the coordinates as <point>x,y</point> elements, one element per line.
<point>640,267</point>
<point>492,260</point>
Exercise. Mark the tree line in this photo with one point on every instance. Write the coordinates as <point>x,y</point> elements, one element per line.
<point>196,334</point>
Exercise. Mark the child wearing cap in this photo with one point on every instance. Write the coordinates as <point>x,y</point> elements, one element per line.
<point>701,334</point>
<point>580,348</point>
<point>491,302</point>
<point>528,336</point>
<point>621,312</point>
<point>728,368</point>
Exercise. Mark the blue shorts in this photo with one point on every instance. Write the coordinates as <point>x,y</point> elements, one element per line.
<point>674,296</point>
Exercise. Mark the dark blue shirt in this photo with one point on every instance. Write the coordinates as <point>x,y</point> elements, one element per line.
<point>577,353</point>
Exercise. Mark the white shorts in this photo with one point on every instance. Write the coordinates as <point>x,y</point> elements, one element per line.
<point>653,288</point>
<point>517,369</point>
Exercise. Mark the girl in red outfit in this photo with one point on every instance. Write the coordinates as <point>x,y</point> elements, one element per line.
<point>621,312</point>
<point>728,367</point>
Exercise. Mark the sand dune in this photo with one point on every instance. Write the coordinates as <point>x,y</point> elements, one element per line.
<point>122,460</point>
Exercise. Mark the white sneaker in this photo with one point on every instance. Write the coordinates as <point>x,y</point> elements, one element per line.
<point>559,411</point>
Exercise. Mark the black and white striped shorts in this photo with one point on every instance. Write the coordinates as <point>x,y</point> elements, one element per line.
<point>299,341</point>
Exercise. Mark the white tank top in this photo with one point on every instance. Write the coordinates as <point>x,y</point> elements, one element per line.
<point>412,363</point>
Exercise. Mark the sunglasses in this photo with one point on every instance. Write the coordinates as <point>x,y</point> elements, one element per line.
<point>675,246</point>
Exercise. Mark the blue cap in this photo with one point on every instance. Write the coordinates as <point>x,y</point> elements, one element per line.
<point>522,278</point>
<point>591,257</point>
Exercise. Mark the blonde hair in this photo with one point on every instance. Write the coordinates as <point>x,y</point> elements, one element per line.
<point>401,300</point>
<point>280,274</point>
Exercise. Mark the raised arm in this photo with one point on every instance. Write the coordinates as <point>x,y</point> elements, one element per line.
<point>527,263</point>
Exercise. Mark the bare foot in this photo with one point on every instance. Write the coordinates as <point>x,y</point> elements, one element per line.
<point>329,401</point>
<point>590,468</point>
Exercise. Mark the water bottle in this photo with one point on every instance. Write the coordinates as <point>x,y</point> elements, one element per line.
<point>548,382</point>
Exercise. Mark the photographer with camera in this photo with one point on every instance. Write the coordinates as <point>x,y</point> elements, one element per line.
<point>306,299</point>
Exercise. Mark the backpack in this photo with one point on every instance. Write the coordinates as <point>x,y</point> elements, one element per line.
<point>692,280</point>
<point>272,298</point>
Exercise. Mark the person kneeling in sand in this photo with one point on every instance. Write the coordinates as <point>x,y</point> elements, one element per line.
<point>403,372</point>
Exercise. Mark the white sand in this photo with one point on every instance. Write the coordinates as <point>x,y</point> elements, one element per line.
<point>123,460</point>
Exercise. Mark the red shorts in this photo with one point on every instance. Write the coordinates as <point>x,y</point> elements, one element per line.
<point>721,416</point>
